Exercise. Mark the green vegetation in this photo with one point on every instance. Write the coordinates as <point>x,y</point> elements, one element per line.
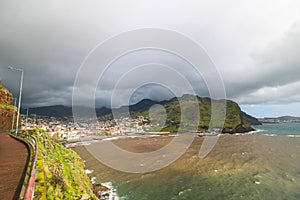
<point>233,117</point>
<point>6,106</point>
<point>60,171</point>
<point>5,91</point>
<point>187,103</point>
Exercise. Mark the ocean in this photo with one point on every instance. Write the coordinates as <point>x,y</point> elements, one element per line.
<point>280,129</point>
<point>261,165</point>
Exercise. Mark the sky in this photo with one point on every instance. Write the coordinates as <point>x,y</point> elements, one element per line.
<point>254,46</point>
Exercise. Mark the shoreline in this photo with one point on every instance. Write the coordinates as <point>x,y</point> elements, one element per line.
<point>88,141</point>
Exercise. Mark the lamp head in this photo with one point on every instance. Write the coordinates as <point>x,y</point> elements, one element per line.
<point>13,68</point>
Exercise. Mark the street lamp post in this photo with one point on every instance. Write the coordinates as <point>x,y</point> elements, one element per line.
<point>13,119</point>
<point>20,96</point>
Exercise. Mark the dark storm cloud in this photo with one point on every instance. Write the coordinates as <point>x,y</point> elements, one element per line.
<point>48,43</point>
<point>253,43</point>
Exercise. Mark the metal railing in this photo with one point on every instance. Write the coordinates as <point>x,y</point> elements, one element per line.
<point>27,192</point>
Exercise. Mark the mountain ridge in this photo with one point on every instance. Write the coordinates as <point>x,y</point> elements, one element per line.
<point>235,121</point>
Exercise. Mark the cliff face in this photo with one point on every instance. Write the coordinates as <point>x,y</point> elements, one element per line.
<point>251,120</point>
<point>6,109</point>
<point>5,96</point>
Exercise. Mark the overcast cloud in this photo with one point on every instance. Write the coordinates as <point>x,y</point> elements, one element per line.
<point>254,44</point>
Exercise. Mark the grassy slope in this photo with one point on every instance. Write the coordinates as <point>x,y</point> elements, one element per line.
<point>6,106</point>
<point>60,171</point>
<point>173,110</point>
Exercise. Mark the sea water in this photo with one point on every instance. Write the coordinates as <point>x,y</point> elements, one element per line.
<point>261,165</point>
<point>278,129</point>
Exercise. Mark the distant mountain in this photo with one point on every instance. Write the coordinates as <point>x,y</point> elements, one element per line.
<point>61,111</point>
<point>288,118</point>
<point>50,111</point>
<point>282,119</point>
<point>144,104</point>
<point>235,121</point>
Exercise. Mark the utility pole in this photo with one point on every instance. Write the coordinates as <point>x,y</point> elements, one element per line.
<point>27,117</point>
<point>13,119</point>
<point>20,95</point>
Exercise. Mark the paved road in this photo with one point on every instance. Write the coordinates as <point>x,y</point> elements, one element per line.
<point>13,161</point>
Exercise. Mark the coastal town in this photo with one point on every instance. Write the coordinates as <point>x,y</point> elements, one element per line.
<point>65,128</point>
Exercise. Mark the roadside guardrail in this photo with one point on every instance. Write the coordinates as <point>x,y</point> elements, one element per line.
<point>27,191</point>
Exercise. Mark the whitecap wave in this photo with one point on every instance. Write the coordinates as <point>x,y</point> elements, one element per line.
<point>256,131</point>
<point>294,136</point>
<point>111,138</point>
<point>184,191</point>
<point>110,193</point>
<point>269,134</point>
<point>87,171</point>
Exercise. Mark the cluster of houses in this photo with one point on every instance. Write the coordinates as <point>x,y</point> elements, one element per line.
<point>65,128</point>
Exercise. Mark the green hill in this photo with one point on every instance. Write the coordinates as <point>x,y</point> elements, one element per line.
<point>235,121</point>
